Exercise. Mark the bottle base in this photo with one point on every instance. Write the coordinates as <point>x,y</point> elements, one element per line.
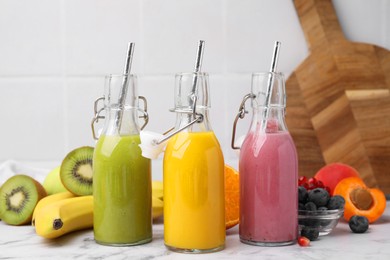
<point>266,244</point>
<point>104,243</point>
<point>194,250</point>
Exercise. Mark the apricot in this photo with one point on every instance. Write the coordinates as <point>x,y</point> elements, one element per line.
<point>360,200</point>
<point>332,174</point>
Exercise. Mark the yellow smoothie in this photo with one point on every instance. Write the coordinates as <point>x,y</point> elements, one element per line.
<point>194,211</point>
<point>122,192</point>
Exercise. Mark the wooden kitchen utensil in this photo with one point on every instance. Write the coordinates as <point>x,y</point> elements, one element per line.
<point>338,105</point>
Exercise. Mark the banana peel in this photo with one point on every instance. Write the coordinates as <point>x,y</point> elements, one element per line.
<point>49,200</point>
<point>64,216</point>
<point>157,207</point>
<point>157,199</point>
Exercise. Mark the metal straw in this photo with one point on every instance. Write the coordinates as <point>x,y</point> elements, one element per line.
<point>199,56</point>
<point>198,66</point>
<point>123,92</point>
<point>275,56</point>
<point>270,84</point>
<point>192,98</point>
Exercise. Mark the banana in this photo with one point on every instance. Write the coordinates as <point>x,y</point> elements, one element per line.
<point>50,199</point>
<point>63,213</point>
<point>157,207</point>
<point>157,199</point>
<point>64,216</point>
<point>157,189</point>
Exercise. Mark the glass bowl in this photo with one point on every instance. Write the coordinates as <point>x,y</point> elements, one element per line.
<point>323,220</point>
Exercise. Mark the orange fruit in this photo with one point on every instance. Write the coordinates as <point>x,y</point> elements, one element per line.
<point>232,197</point>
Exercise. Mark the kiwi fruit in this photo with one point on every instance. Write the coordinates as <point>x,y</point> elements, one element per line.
<point>18,197</point>
<point>76,171</point>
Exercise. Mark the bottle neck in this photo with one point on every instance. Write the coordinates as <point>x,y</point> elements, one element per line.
<point>183,119</point>
<point>270,120</point>
<point>121,122</point>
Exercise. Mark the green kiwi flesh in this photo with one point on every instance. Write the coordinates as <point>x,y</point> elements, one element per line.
<point>76,171</point>
<point>18,197</point>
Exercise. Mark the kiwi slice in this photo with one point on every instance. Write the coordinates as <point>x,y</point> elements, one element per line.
<point>76,171</point>
<point>18,197</point>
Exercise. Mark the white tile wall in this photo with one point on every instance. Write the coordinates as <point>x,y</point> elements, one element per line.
<point>172,29</point>
<point>369,23</point>
<point>96,35</point>
<point>78,110</point>
<point>30,37</point>
<point>55,53</point>
<point>158,90</point>
<point>252,26</point>
<point>32,118</point>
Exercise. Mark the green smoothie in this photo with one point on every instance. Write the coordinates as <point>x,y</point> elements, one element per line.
<point>122,192</point>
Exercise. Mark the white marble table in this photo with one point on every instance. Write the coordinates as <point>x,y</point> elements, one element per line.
<point>23,243</point>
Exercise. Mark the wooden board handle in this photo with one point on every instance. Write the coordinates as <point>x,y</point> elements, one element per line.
<point>367,94</point>
<point>319,22</point>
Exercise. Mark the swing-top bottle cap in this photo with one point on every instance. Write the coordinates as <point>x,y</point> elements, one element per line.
<point>149,144</point>
<point>238,143</point>
<point>152,144</point>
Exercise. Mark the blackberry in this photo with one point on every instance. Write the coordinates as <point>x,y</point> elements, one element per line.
<point>336,202</point>
<point>301,206</point>
<point>302,194</point>
<point>310,233</point>
<point>358,224</point>
<point>319,196</point>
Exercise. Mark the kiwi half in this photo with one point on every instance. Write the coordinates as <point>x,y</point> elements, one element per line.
<point>18,197</point>
<point>76,171</point>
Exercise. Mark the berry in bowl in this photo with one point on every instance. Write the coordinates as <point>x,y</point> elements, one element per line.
<point>318,212</point>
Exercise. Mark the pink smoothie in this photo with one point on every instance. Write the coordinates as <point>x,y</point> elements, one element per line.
<point>268,189</point>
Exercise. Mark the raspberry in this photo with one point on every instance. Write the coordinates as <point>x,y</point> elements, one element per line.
<point>336,202</point>
<point>303,241</point>
<point>358,224</point>
<point>319,196</point>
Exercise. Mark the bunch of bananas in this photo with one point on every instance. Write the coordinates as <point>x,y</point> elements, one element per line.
<point>62,213</point>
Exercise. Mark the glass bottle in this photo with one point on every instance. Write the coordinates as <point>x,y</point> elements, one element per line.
<point>268,167</point>
<point>121,176</point>
<point>194,205</point>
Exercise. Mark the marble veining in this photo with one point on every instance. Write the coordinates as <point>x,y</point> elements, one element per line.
<point>22,243</point>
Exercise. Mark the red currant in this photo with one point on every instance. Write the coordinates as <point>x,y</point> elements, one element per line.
<point>320,184</point>
<point>313,181</point>
<point>303,241</point>
<point>302,180</point>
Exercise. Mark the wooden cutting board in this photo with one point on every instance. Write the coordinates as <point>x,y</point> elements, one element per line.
<point>338,99</point>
